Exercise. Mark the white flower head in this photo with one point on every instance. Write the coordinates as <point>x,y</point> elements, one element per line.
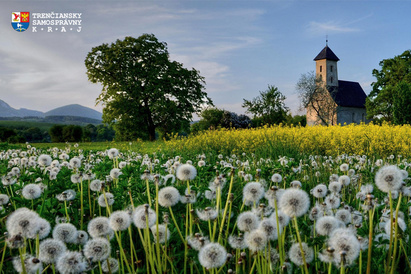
<point>294,202</point>
<point>296,256</point>
<point>389,178</point>
<point>186,172</point>
<point>212,255</point>
<point>168,196</point>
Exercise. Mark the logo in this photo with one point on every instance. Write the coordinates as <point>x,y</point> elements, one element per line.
<point>20,20</point>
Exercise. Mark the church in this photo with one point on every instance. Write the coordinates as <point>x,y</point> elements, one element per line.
<point>347,98</point>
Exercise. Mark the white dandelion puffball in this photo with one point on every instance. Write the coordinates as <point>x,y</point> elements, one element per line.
<point>344,167</point>
<point>143,217</point>
<point>99,227</point>
<point>256,240</point>
<point>186,172</point>
<point>294,202</point>
<point>269,226</point>
<point>343,240</point>
<point>112,266</point>
<point>344,180</point>
<point>32,265</point>
<point>320,191</point>
<point>65,232</point>
<point>252,193</point>
<point>247,221</point>
<point>31,191</point>
<point>23,221</point>
<point>212,255</point>
<point>4,199</point>
<point>326,224</point>
<point>296,256</point>
<point>276,178</point>
<point>343,215</point>
<point>97,249</point>
<point>112,153</point>
<point>44,160</point>
<point>115,173</point>
<point>163,233</point>
<point>71,262</point>
<point>95,185</point>
<point>51,250</point>
<point>389,178</point>
<point>168,196</point>
<point>119,220</point>
<point>108,197</point>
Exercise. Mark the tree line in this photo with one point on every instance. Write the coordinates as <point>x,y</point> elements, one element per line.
<point>146,95</point>
<point>57,133</point>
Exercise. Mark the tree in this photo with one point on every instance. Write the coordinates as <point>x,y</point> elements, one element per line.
<point>401,110</point>
<point>143,91</point>
<point>56,133</point>
<point>268,107</point>
<point>317,99</point>
<point>212,118</point>
<point>381,99</point>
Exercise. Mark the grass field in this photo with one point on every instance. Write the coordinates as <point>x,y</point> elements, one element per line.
<point>268,200</point>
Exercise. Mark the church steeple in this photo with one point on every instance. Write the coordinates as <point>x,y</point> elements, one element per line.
<point>326,66</point>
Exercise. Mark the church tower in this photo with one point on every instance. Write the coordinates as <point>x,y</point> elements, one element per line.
<point>326,67</point>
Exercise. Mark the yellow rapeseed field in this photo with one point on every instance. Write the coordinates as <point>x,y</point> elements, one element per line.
<point>370,139</point>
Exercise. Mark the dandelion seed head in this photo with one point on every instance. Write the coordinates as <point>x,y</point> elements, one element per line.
<point>343,215</point>
<point>252,193</point>
<point>247,221</point>
<point>296,256</point>
<point>237,242</point>
<point>212,255</point>
<point>333,201</point>
<point>269,227</point>
<point>31,191</point>
<point>4,199</point>
<point>99,227</point>
<point>115,173</point>
<point>344,180</point>
<point>32,265</point>
<point>343,240</point>
<point>186,172</point>
<point>163,233</point>
<point>276,178</point>
<point>51,250</point>
<point>98,249</point>
<point>119,220</point>
<point>112,153</point>
<point>23,221</point>
<point>168,196</point>
<point>141,216</point>
<point>344,167</point>
<point>44,160</point>
<point>109,198</point>
<point>71,262</point>
<point>256,240</point>
<point>65,232</point>
<point>320,191</point>
<point>389,178</point>
<point>112,266</point>
<point>95,185</point>
<point>335,186</point>
<point>67,195</point>
<point>198,241</point>
<point>294,202</point>
<point>326,224</point>
<point>81,237</point>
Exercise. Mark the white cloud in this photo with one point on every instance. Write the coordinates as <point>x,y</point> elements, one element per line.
<point>318,28</point>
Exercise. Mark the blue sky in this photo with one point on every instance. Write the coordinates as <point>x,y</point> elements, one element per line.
<point>240,47</point>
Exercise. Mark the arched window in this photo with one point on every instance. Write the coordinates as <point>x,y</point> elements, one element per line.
<point>331,68</point>
<point>321,68</point>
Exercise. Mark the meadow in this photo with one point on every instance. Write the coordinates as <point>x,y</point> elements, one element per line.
<point>268,200</point>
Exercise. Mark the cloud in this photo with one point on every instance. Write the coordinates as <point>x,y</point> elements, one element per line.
<point>317,28</point>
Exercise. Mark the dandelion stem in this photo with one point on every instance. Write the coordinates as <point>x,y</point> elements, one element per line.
<point>396,233</point>
<point>3,254</point>
<point>175,223</point>
<point>371,219</point>
<point>390,246</point>
<point>226,207</point>
<point>300,243</point>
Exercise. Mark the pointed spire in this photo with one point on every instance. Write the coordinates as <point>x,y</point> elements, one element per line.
<point>327,53</point>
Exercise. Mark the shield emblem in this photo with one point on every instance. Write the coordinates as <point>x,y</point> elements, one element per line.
<point>20,20</point>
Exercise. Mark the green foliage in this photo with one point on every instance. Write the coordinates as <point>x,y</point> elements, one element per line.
<point>213,118</point>
<point>296,120</point>
<point>268,108</point>
<point>401,110</point>
<point>142,89</point>
<point>381,99</point>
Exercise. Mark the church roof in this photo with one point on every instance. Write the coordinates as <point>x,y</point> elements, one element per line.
<point>328,54</point>
<point>349,94</point>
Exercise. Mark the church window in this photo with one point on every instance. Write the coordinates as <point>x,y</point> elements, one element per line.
<point>321,68</point>
<point>331,68</point>
<point>331,79</point>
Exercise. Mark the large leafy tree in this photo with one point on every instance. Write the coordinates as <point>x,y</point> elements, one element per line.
<point>268,107</point>
<point>143,90</point>
<point>402,104</point>
<point>393,71</point>
<point>317,99</point>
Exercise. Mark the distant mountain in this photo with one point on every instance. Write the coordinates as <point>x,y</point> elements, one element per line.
<point>6,111</point>
<point>75,110</point>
